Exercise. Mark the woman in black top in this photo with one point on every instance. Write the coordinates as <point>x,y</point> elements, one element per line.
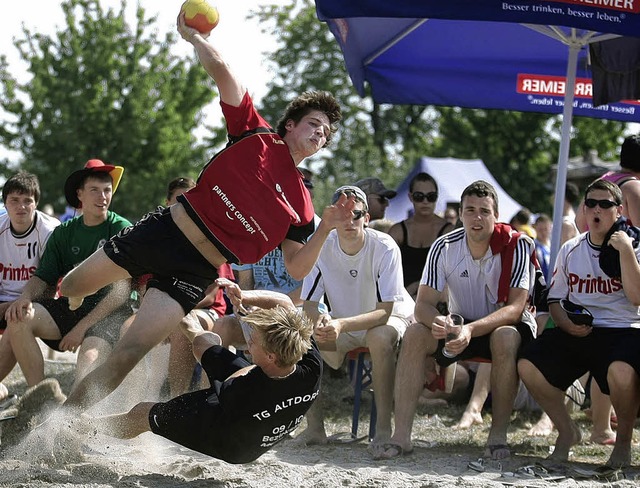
<point>416,234</point>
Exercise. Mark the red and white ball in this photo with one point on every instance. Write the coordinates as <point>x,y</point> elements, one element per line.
<point>200,15</point>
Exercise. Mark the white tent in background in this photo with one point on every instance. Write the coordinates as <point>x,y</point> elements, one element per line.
<point>453,176</point>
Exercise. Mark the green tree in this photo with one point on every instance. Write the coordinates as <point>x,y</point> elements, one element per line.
<point>101,88</point>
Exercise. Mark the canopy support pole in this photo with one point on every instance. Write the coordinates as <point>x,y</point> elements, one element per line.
<point>563,155</point>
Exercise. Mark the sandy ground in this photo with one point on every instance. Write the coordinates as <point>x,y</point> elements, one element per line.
<point>50,457</point>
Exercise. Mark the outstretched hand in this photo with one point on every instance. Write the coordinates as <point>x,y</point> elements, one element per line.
<point>340,212</point>
<point>188,33</point>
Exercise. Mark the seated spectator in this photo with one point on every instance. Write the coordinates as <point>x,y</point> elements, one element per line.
<point>416,234</point>
<point>94,328</point>
<point>270,273</point>
<point>451,216</point>
<point>599,272</point>
<point>24,233</point>
<point>359,278</point>
<point>521,221</point>
<point>569,225</point>
<point>543,226</point>
<point>378,196</point>
<point>488,275</point>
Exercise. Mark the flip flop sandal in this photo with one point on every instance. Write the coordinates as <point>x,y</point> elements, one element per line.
<point>540,472</point>
<point>477,466</point>
<point>344,438</point>
<point>483,465</point>
<point>602,473</point>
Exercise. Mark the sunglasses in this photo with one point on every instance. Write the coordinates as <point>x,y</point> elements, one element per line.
<point>604,204</point>
<point>418,196</point>
<point>358,214</point>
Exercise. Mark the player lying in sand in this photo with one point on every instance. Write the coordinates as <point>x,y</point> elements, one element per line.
<point>249,407</point>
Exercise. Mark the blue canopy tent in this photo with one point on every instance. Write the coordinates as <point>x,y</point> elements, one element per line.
<point>512,55</point>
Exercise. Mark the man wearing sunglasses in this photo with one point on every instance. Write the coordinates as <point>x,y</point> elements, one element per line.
<point>378,197</point>
<point>359,277</point>
<point>609,346</point>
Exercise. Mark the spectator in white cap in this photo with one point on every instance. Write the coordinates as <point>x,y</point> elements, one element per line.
<point>378,196</point>
<point>358,277</point>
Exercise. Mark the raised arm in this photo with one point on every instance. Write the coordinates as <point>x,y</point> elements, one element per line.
<point>230,89</point>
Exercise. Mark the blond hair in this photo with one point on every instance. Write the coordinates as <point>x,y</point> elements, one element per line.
<point>285,332</point>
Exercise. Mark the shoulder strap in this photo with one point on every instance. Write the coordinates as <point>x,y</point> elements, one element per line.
<point>404,232</point>
<point>625,180</point>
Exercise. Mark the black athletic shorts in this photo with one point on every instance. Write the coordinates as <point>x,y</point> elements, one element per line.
<point>193,419</point>
<point>107,329</point>
<point>480,347</point>
<point>562,358</point>
<point>155,245</point>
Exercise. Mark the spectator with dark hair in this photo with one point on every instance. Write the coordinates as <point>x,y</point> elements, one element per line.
<point>543,226</point>
<point>416,234</point>
<point>628,179</point>
<point>24,233</point>
<point>569,220</point>
<point>95,327</point>
<point>378,196</point>
<point>597,325</point>
<point>486,271</point>
<point>177,187</point>
<point>451,216</point>
<point>521,221</point>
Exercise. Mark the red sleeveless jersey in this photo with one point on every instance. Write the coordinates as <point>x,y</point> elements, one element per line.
<point>250,193</point>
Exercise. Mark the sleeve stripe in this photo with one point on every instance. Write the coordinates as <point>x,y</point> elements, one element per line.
<point>313,288</point>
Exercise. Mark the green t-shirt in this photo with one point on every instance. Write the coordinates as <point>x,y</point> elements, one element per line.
<point>71,243</point>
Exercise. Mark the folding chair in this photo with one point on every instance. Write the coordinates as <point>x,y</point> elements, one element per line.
<point>360,372</point>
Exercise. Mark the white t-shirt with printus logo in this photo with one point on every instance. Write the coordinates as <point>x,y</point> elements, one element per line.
<point>578,278</point>
<point>20,254</point>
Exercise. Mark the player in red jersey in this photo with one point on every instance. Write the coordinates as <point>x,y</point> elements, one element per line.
<point>249,199</point>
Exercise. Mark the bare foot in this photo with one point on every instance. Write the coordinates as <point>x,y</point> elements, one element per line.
<point>311,438</point>
<point>542,428</point>
<point>75,302</point>
<point>468,419</point>
<point>606,438</point>
<point>564,444</point>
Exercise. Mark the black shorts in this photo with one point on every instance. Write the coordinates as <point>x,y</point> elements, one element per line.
<point>193,418</point>
<point>107,329</point>
<point>155,245</point>
<point>480,347</point>
<point>562,358</point>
